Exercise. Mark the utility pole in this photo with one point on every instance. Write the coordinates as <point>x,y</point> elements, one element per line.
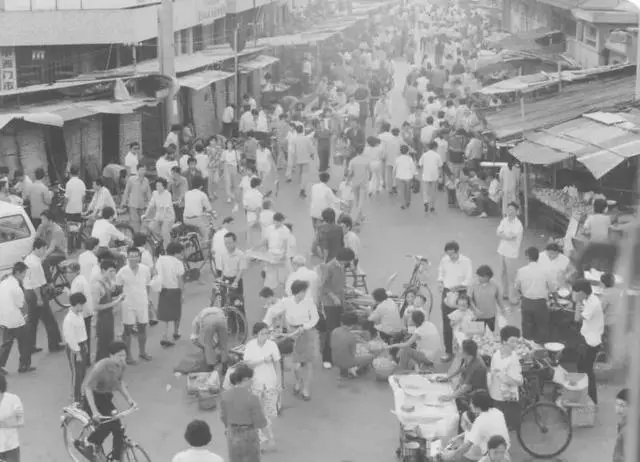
<point>166,55</point>
<point>236,79</point>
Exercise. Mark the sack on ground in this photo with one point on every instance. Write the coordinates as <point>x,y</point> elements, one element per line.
<point>194,361</point>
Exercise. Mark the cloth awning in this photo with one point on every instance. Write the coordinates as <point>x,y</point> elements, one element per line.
<point>41,118</point>
<point>602,161</point>
<point>535,154</point>
<point>259,62</point>
<point>201,80</point>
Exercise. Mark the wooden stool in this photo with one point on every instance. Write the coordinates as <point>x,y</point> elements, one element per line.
<point>359,279</point>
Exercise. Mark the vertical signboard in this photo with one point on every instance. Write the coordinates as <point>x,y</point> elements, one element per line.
<point>8,71</point>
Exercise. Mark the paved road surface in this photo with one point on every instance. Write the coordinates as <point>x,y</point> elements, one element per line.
<point>342,422</point>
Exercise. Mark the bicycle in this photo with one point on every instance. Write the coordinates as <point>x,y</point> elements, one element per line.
<point>76,446</point>
<point>417,280</point>
<point>545,429</point>
<point>221,295</point>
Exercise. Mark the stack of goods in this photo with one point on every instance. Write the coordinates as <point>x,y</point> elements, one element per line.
<point>574,398</point>
<point>566,201</point>
<point>488,345</point>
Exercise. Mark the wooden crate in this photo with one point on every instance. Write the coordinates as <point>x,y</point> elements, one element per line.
<point>582,414</point>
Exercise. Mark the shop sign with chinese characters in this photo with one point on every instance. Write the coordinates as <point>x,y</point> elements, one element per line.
<point>8,77</point>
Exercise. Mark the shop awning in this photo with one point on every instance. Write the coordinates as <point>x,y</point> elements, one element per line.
<point>259,62</point>
<point>201,80</point>
<point>535,154</point>
<point>602,161</point>
<point>42,118</point>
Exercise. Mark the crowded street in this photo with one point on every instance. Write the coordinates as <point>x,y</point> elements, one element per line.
<point>374,240</point>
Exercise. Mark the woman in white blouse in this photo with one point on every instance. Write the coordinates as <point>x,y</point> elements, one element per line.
<point>262,355</point>
<point>301,316</point>
<point>230,160</point>
<point>510,232</point>
<point>505,376</point>
<point>169,273</point>
<point>101,198</point>
<point>160,212</point>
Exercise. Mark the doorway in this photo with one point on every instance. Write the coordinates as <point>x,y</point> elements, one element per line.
<point>110,139</point>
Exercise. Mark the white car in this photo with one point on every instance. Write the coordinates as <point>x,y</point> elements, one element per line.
<point>16,236</point>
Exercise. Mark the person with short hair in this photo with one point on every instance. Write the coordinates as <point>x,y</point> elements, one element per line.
<point>301,316</point>
<point>160,211</point>
<point>505,376</point>
<point>232,266</point>
<point>321,198</point>
<point>386,316</point>
<point>198,437</point>
<point>103,381</point>
<point>136,196</point>
<point>13,320</point>
<point>135,278</point>
<point>34,284</point>
<point>105,231</point>
<point>53,234</point>
<point>74,192</point>
<point>623,400</point>
<point>39,197</point>
<point>217,242</point>
<point>404,171</point>
<point>197,210</point>
<point>557,264</point>
<point>533,284</point>
<point>75,337</point>
<point>589,309</point>
<point>11,419</point>
<point>472,373</point>
<point>103,291</point>
<point>263,356</point>
<point>101,199</point>
<point>302,273</point>
<point>78,283</point>
<point>330,235</point>
<point>344,348</point>
<point>510,232</point>
<point>132,158</point>
<point>178,187</point>
<point>485,298</point>
<point>487,423</point>
<point>242,416</point>
<point>278,241</point>
<point>170,272</point>
<point>209,333</point>
<point>425,338</point>
<point>497,450</point>
<point>598,224</point>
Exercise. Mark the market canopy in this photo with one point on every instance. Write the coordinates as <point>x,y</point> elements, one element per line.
<point>529,40</point>
<point>535,154</point>
<point>42,118</point>
<point>258,62</point>
<point>203,79</point>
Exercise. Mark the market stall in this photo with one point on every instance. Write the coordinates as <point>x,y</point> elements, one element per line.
<point>426,422</point>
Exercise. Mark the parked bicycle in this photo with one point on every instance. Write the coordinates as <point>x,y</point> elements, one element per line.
<point>417,281</point>
<point>73,417</point>
<point>226,296</point>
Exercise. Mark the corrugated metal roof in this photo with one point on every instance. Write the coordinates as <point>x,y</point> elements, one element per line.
<point>77,110</point>
<point>257,62</point>
<point>535,154</point>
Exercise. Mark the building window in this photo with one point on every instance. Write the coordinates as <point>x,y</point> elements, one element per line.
<point>184,41</point>
<point>198,42</point>
<point>590,35</point>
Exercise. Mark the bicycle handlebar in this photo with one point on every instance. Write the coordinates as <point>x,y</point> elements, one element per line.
<point>116,416</point>
<point>417,257</point>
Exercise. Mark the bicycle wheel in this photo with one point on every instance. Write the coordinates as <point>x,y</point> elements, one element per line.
<point>428,295</point>
<point>60,290</point>
<point>73,432</point>
<point>545,430</point>
<point>236,325</point>
<point>133,452</point>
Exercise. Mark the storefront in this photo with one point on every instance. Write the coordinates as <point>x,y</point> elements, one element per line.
<point>252,74</point>
<point>23,145</point>
<point>202,99</point>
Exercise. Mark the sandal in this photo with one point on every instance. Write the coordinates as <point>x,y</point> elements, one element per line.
<point>296,390</point>
<point>305,396</point>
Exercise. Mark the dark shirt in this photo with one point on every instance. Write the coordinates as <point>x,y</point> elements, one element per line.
<point>457,69</point>
<point>331,239</point>
<point>332,280</point>
<point>343,348</point>
<point>106,376</point>
<point>191,175</point>
<point>474,374</point>
<point>250,148</point>
<point>618,451</point>
<point>238,406</point>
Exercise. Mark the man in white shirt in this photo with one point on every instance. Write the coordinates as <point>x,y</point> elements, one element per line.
<point>79,283</point>
<point>489,203</point>
<point>197,209</point>
<point>165,163</point>
<point>489,421</point>
<point>428,132</point>
<point>75,337</point>
<point>391,150</point>
<point>135,278</point>
<point>38,306</point>
<point>228,121</point>
<point>278,243</point>
<point>74,192</point>
<point>12,319</point>
<point>589,307</point>
<point>88,259</point>
<point>105,231</point>
<point>247,122</point>
<point>455,274</point>
<point>132,158</point>
<point>430,164</point>
<point>534,286</point>
<point>510,232</point>
<point>232,266</point>
<point>173,137</point>
<point>404,171</point>
<point>321,197</point>
<point>217,243</point>
<point>557,264</point>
